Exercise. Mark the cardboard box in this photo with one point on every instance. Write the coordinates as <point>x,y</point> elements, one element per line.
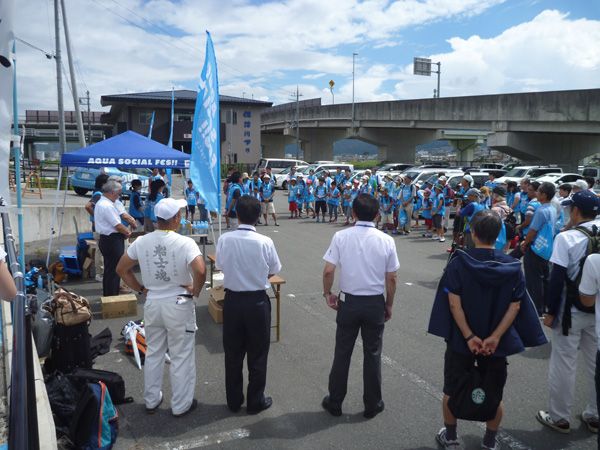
<point>118,306</point>
<point>218,294</point>
<point>215,310</point>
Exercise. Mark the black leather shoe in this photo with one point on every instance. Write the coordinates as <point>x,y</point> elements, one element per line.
<point>335,411</point>
<point>235,409</point>
<point>370,413</point>
<point>266,404</point>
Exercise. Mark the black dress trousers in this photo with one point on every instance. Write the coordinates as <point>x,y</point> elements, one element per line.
<point>112,247</point>
<point>246,331</point>
<point>367,315</point>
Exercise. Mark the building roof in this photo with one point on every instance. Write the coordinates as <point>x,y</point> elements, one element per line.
<point>183,95</point>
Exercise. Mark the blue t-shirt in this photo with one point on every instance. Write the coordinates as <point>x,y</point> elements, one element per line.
<point>469,211</point>
<point>150,204</point>
<point>321,192</point>
<point>334,198</point>
<point>292,194</point>
<point>545,213</point>
<point>439,206</point>
<point>191,195</point>
<point>135,204</point>
<point>347,195</point>
<point>426,205</point>
<point>523,203</point>
<point>385,204</point>
<point>266,191</point>
<point>531,207</point>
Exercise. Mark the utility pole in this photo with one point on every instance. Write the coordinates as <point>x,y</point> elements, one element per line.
<point>85,101</point>
<point>89,118</point>
<point>78,117</point>
<point>61,108</point>
<point>298,95</point>
<point>353,67</point>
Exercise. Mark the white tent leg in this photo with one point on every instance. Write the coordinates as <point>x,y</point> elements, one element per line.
<point>52,223</point>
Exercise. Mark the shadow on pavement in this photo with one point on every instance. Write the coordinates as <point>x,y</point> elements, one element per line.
<point>299,424</point>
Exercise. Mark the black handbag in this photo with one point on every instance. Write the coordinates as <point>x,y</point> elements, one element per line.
<point>113,381</point>
<point>479,391</point>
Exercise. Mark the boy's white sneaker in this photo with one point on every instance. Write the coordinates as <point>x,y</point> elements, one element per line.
<point>442,239</point>
<point>445,442</point>
<point>435,238</point>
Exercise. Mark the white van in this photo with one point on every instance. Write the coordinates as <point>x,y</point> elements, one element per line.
<point>332,168</point>
<point>277,165</point>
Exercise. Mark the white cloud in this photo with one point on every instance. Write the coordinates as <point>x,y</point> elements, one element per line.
<point>262,47</point>
<point>129,45</point>
<point>551,52</point>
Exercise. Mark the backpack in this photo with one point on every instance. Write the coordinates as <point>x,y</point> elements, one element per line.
<point>510,224</point>
<point>95,423</point>
<point>572,295</point>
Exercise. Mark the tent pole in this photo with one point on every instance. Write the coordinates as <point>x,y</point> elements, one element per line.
<point>54,210</point>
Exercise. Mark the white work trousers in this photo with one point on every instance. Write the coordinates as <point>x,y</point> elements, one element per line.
<point>173,327</point>
<point>563,366</point>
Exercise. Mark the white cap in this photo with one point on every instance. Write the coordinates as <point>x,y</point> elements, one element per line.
<point>168,207</point>
<point>581,184</point>
<point>442,178</point>
<point>469,178</point>
<point>266,175</point>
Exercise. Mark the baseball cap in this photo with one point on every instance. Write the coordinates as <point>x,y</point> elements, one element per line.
<point>586,201</point>
<point>168,207</point>
<point>473,191</point>
<point>266,175</point>
<point>499,190</point>
<point>581,184</point>
<point>442,178</point>
<point>468,177</point>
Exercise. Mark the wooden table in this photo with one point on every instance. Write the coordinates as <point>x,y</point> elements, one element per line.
<point>276,282</point>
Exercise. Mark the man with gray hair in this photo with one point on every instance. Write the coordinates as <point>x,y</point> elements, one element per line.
<point>112,235</point>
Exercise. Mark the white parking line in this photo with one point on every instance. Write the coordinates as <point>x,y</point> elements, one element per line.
<point>206,440</point>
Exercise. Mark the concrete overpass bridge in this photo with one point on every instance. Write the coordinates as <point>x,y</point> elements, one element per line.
<point>560,127</point>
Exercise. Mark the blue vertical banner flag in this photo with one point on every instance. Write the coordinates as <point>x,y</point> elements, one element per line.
<point>151,126</point>
<point>170,144</point>
<point>205,164</point>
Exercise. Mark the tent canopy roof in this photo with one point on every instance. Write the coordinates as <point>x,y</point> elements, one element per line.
<point>128,149</point>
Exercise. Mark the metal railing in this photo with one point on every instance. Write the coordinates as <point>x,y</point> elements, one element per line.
<point>22,418</point>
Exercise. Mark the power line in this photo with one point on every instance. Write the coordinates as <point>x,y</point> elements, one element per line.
<point>49,55</point>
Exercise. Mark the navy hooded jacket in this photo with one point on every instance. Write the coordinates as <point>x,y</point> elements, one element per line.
<point>487,281</point>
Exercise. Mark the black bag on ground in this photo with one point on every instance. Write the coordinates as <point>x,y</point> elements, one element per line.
<point>478,393</point>
<point>63,397</point>
<point>100,344</point>
<point>84,416</point>
<point>70,348</point>
<point>113,381</point>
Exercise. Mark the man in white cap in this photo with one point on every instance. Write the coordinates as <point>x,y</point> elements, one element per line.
<point>173,273</point>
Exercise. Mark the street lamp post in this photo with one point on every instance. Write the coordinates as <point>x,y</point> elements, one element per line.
<point>353,67</point>
<point>331,84</point>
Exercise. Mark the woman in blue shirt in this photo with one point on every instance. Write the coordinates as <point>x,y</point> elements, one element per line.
<point>156,188</point>
<point>333,202</point>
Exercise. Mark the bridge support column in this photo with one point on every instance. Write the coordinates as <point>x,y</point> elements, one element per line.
<point>397,144</point>
<point>317,144</point>
<point>273,145</point>
<point>465,150</point>
<point>565,150</point>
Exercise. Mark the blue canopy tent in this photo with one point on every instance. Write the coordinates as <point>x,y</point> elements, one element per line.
<point>128,149</point>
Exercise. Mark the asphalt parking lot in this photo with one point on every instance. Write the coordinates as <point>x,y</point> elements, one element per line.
<point>299,365</point>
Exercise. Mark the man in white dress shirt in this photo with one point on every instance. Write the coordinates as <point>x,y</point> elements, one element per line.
<point>173,273</point>
<point>367,263</point>
<point>107,220</point>
<point>247,259</point>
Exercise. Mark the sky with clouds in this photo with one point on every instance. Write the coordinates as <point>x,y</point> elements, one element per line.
<point>266,48</point>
